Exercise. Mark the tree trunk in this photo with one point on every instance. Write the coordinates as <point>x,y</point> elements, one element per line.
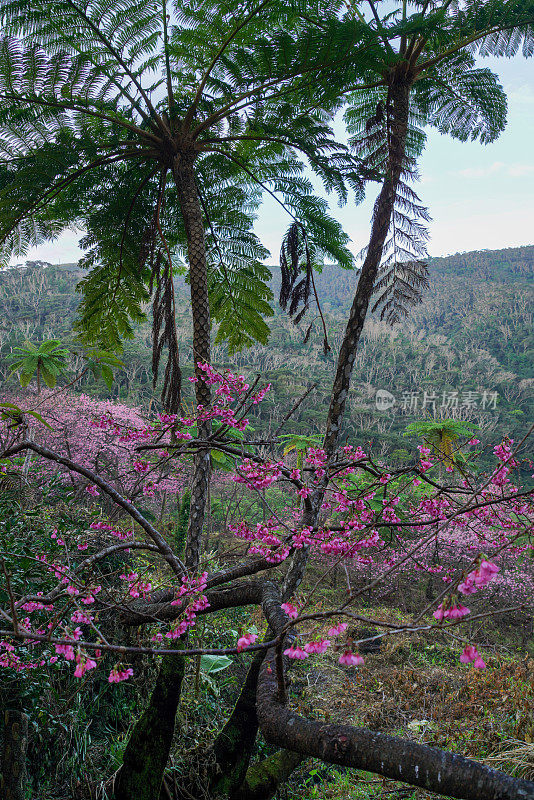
<point>198,277</point>
<point>233,746</point>
<point>14,755</point>
<point>147,751</point>
<point>383,211</point>
<point>299,559</point>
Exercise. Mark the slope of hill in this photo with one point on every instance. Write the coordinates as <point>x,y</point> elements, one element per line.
<point>467,351</point>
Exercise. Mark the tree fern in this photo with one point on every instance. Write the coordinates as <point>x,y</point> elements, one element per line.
<point>101,101</point>
<point>430,49</point>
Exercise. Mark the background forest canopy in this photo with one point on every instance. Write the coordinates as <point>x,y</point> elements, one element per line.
<point>473,332</point>
<point>243,505</point>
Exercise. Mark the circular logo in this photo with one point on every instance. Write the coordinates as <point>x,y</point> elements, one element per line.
<point>384,400</point>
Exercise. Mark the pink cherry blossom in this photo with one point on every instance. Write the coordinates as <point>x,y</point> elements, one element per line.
<point>451,612</point>
<point>319,646</point>
<point>290,610</point>
<point>245,641</point>
<point>470,654</point>
<point>65,650</point>
<point>83,665</point>
<point>349,659</point>
<point>117,675</point>
<point>296,652</point>
<point>337,629</point>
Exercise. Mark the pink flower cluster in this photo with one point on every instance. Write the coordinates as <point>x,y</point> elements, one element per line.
<point>359,509</point>
<point>425,462</point>
<point>353,454</point>
<point>116,432</point>
<point>117,675</point>
<point>191,598</point>
<point>258,475</point>
<point>230,388</point>
<point>245,641</point>
<point>264,541</point>
<point>503,452</point>
<point>470,654</point>
<point>296,652</point>
<point>83,665</point>
<point>338,629</point>
<point>99,525</point>
<point>290,610</point>
<point>478,577</point>
<point>349,659</point>
<point>451,612</point>
<point>136,587</point>
<point>317,647</point>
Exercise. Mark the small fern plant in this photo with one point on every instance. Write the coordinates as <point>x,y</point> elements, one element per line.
<point>442,437</point>
<point>45,361</point>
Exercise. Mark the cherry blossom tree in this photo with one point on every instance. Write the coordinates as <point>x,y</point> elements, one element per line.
<point>382,523</point>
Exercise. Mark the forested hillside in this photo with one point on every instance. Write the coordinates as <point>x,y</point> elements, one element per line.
<point>469,347</point>
<point>266,530</point>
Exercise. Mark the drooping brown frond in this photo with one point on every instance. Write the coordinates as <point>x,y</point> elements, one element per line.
<point>164,334</point>
<point>295,261</point>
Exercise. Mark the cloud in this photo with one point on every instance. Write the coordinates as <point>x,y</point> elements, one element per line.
<point>498,167</point>
<point>520,170</point>
<point>520,95</point>
<point>481,172</point>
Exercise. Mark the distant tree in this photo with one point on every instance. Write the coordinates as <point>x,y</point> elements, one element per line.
<point>45,361</point>
<point>441,437</point>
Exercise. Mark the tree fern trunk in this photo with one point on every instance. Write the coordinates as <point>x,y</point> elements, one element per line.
<point>383,211</point>
<point>147,752</point>
<point>198,276</point>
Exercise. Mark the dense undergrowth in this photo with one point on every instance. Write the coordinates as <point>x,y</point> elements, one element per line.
<point>410,685</point>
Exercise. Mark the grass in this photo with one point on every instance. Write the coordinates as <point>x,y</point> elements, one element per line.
<point>516,757</point>
<point>416,687</point>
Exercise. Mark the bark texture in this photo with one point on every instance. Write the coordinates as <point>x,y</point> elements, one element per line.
<point>263,779</point>
<point>147,751</point>
<point>15,747</point>
<point>383,210</point>
<point>191,209</point>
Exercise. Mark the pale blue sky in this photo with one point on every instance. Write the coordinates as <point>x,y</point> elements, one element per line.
<point>479,196</point>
